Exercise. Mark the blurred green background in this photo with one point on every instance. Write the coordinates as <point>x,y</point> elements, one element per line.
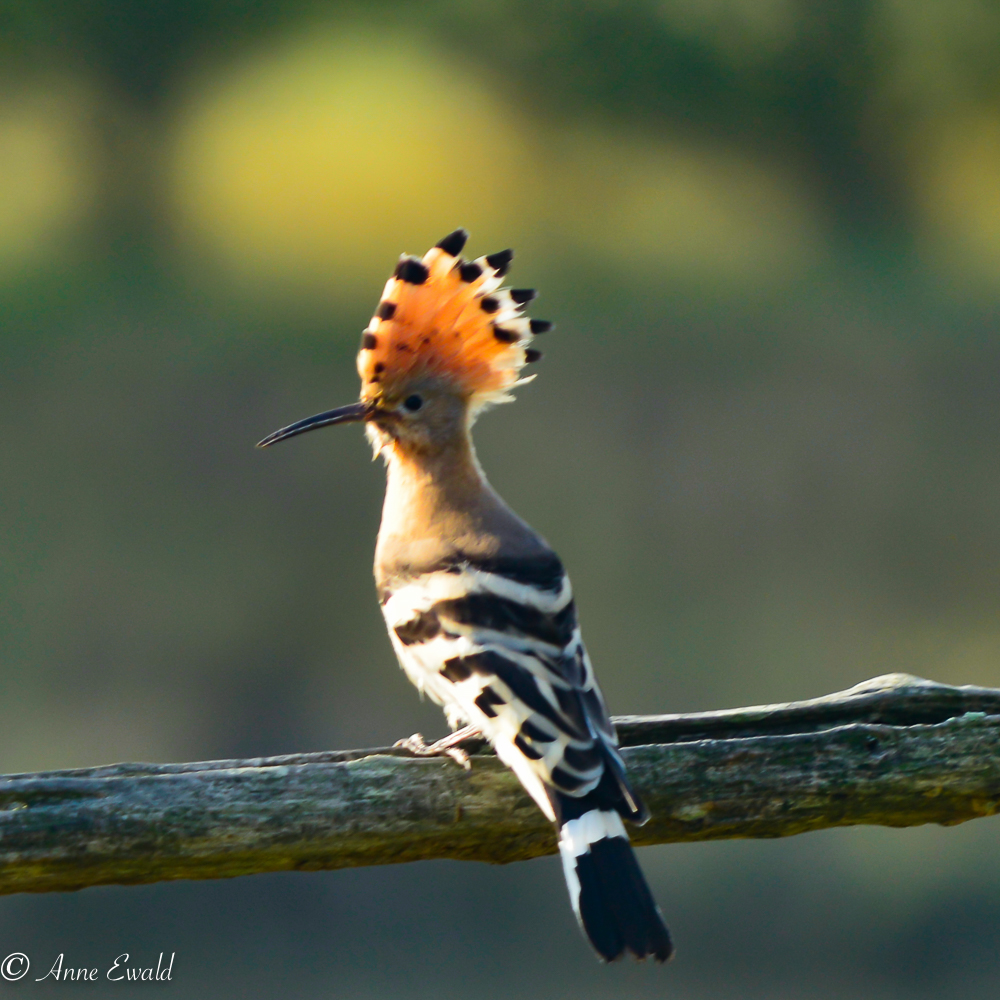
<point>764,438</point>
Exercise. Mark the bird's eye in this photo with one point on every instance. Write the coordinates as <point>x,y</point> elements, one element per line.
<point>413,403</point>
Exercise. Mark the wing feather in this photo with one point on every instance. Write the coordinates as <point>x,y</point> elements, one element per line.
<point>503,650</point>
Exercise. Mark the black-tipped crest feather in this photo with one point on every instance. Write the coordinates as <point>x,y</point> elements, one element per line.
<point>454,242</point>
<point>500,261</point>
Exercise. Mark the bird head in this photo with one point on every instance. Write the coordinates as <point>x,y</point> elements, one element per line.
<point>446,342</point>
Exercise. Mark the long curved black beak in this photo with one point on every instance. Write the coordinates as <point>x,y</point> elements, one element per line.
<point>355,413</point>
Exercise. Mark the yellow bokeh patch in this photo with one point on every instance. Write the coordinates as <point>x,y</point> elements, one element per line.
<point>47,171</point>
<point>957,171</point>
<point>316,164</point>
<point>658,207</point>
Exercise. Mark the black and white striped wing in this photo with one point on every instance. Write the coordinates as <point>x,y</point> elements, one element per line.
<point>498,644</point>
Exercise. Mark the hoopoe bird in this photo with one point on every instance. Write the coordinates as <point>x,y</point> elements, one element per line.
<point>479,608</point>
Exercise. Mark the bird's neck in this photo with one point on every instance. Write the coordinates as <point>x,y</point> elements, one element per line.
<point>439,507</point>
<point>433,494</point>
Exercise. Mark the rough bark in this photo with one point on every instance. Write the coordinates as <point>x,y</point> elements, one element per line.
<point>895,751</point>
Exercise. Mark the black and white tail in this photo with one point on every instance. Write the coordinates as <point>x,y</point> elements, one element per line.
<point>608,890</point>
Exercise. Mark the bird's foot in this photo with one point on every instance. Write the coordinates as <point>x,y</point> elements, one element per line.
<point>447,747</point>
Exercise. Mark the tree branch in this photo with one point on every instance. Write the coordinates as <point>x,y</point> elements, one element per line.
<point>894,751</point>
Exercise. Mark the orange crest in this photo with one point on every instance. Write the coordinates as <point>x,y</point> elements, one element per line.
<point>446,317</point>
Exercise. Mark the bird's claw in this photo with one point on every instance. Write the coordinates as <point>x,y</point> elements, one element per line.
<point>447,747</point>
